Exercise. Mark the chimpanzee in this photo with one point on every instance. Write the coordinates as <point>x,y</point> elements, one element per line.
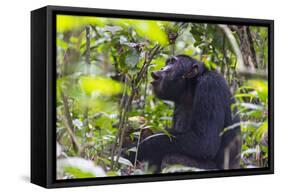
<point>202,111</point>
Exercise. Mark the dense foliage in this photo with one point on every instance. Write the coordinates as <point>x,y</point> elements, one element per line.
<point>105,101</point>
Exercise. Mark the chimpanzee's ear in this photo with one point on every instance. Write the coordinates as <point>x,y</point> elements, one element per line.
<point>195,69</point>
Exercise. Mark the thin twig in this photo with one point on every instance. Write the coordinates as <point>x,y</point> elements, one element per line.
<point>87,56</point>
<point>121,111</point>
<point>135,85</point>
<point>138,143</point>
<point>145,92</point>
<point>88,44</point>
<point>257,74</point>
<point>68,123</point>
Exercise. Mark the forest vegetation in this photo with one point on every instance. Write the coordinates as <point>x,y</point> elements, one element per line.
<point>104,100</point>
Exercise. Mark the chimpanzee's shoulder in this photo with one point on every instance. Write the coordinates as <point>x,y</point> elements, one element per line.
<point>213,76</point>
<point>215,82</point>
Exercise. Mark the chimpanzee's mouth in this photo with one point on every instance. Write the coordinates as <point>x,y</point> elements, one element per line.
<point>156,78</point>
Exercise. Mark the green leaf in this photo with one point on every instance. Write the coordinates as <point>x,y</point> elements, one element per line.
<point>132,58</point>
<point>151,30</point>
<point>251,106</point>
<point>62,44</point>
<point>99,85</point>
<point>261,130</point>
<point>113,29</point>
<point>79,168</point>
<point>78,173</point>
<point>104,122</point>
<point>112,173</point>
<point>69,22</point>
<point>261,87</point>
<point>124,161</point>
<point>179,168</point>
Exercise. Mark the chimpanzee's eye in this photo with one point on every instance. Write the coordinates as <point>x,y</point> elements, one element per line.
<point>173,60</point>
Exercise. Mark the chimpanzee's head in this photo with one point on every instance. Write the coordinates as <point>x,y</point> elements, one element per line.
<point>171,82</point>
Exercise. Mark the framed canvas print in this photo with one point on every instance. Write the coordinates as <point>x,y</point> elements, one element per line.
<point>126,96</point>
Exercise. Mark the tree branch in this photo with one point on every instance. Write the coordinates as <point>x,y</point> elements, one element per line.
<point>68,123</point>
<point>235,46</point>
<point>135,85</point>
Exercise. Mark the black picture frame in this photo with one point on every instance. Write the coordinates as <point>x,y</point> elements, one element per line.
<point>43,95</point>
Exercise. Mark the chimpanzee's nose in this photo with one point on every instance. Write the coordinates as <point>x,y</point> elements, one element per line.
<point>155,75</point>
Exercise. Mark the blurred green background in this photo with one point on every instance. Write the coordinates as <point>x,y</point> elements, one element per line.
<point>105,101</point>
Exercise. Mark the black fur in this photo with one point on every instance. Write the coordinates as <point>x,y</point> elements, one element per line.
<point>202,110</point>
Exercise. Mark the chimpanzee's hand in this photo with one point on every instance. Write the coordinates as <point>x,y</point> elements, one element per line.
<point>154,147</point>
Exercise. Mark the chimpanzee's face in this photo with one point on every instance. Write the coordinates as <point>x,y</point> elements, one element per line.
<point>170,82</point>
